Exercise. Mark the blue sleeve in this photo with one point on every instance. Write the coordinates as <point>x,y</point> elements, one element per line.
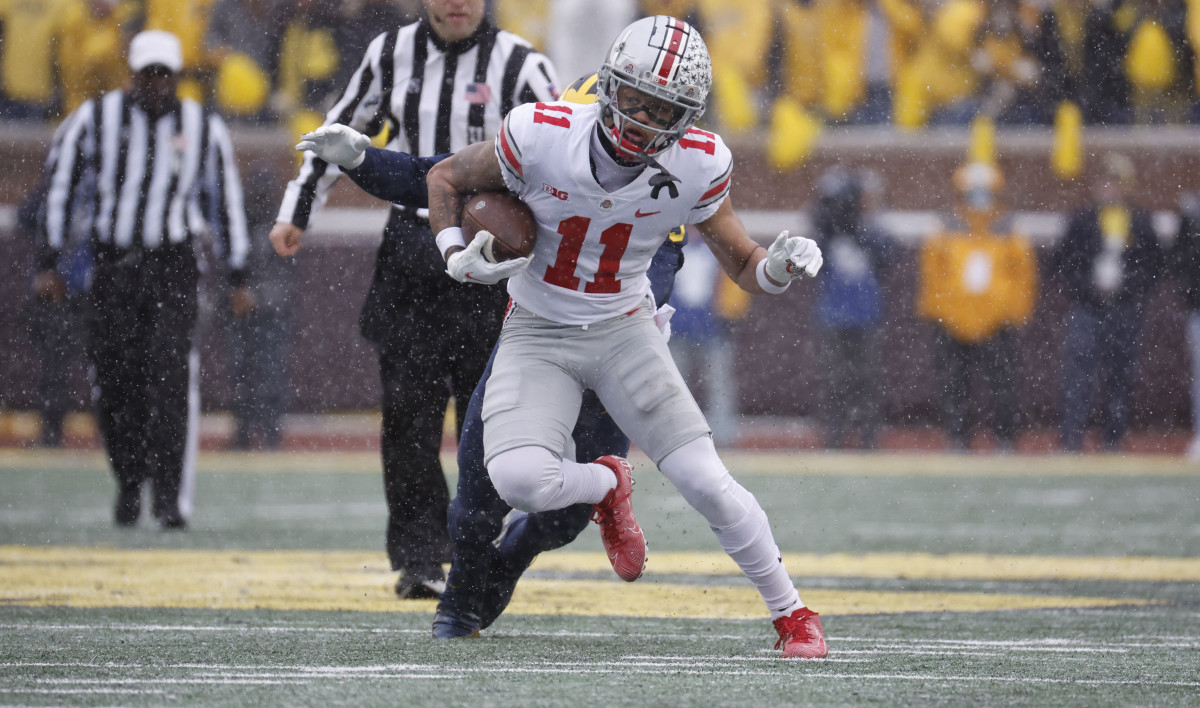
<point>395,177</point>
<point>666,263</point>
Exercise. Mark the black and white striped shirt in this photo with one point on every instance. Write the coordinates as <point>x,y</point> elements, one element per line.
<point>433,97</point>
<point>136,183</point>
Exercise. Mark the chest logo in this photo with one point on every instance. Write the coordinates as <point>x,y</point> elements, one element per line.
<point>555,192</point>
<point>639,213</point>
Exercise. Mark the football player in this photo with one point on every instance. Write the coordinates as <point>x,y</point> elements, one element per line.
<point>494,544</point>
<point>605,182</point>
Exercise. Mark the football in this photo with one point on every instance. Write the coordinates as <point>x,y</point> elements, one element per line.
<point>507,218</point>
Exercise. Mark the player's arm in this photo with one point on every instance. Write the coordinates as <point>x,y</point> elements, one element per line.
<point>756,269</point>
<point>474,169</point>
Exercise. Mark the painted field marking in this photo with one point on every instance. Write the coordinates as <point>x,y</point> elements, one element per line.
<point>273,676</point>
<point>796,463</point>
<point>360,581</point>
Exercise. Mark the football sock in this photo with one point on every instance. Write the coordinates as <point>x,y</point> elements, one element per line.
<point>735,516</point>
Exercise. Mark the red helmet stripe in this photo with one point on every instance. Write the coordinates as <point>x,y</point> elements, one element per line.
<point>671,50</point>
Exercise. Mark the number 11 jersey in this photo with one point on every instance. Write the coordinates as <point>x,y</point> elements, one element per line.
<point>594,246</point>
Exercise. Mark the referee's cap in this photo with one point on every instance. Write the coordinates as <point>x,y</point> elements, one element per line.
<point>155,47</point>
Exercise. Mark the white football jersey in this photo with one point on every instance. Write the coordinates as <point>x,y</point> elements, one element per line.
<point>594,246</point>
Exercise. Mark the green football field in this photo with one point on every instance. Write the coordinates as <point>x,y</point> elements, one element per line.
<point>941,580</point>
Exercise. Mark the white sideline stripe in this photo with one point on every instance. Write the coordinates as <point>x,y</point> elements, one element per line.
<point>82,691</point>
<point>450,672</point>
<point>169,681</point>
<point>1031,645</point>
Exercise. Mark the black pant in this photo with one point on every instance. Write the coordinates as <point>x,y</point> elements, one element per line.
<point>994,359</point>
<point>851,389</point>
<point>433,336</point>
<point>52,325</point>
<point>143,313</point>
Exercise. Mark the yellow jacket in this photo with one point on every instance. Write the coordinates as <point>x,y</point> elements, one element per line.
<point>27,58</point>
<point>188,20</point>
<point>940,72</point>
<point>974,285</point>
<point>91,52</point>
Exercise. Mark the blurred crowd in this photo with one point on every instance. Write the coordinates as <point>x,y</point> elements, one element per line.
<point>785,65</point>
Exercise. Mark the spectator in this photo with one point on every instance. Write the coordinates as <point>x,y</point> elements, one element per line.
<point>1159,63</point>
<point>310,58</point>
<point>188,20</point>
<point>243,43</point>
<point>978,284</point>
<point>54,320</point>
<point>855,49</point>
<point>1103,84</point>
<point>260,339</point>
<point>1058,52</point>
<point>28,61</point>
<point>940,84</point>
<point>91,48</point>
<point>1185,259</point>
<point>1011,76</point>
<point>1106,263</point>
<point>142,211</point>
<point>850,305</point>
<point>706,302</point>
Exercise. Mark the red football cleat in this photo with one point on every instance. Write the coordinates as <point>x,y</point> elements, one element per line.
<point>619,530</point>
<point>801,636</point>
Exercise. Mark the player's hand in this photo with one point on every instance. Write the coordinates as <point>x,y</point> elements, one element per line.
<point>338,144</point>
<point>48,285</point>
<point>285,237</point>
<point>791,257</point>
<point>469,265</point>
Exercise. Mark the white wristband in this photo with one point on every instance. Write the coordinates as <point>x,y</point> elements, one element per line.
<point>763,282</point>
<point>450,237</point>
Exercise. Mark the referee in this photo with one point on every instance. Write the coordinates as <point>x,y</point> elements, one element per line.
<point>436,86</point>
<point>142,173</point>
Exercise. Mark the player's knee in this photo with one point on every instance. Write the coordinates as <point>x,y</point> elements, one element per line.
<point>524,477</point>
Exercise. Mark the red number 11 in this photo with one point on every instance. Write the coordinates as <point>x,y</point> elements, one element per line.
<point>573,230</point>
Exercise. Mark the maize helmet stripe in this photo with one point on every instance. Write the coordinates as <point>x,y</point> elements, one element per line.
<point>583,90</point>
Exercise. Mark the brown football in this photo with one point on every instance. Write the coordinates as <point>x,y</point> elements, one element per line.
<point>508,219</point>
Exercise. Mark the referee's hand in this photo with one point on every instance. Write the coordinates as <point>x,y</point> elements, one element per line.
<point>48,285</point>
<point>285,237</point>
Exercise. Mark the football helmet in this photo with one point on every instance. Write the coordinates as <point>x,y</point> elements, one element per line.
<point>582,91</point>
<point>658,68</point>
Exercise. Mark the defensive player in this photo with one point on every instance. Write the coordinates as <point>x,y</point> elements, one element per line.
<point>491,550</point>
<point>605,182</point>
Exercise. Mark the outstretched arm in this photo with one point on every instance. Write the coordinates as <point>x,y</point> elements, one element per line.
<point>756,269</point>
<point>395,177</point>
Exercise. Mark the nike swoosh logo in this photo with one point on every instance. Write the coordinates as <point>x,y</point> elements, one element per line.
<point>639,213</point>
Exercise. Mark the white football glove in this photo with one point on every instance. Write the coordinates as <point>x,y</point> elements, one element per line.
<point>469,265</point>
<point>791,257</point>
<point>338,144</point>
